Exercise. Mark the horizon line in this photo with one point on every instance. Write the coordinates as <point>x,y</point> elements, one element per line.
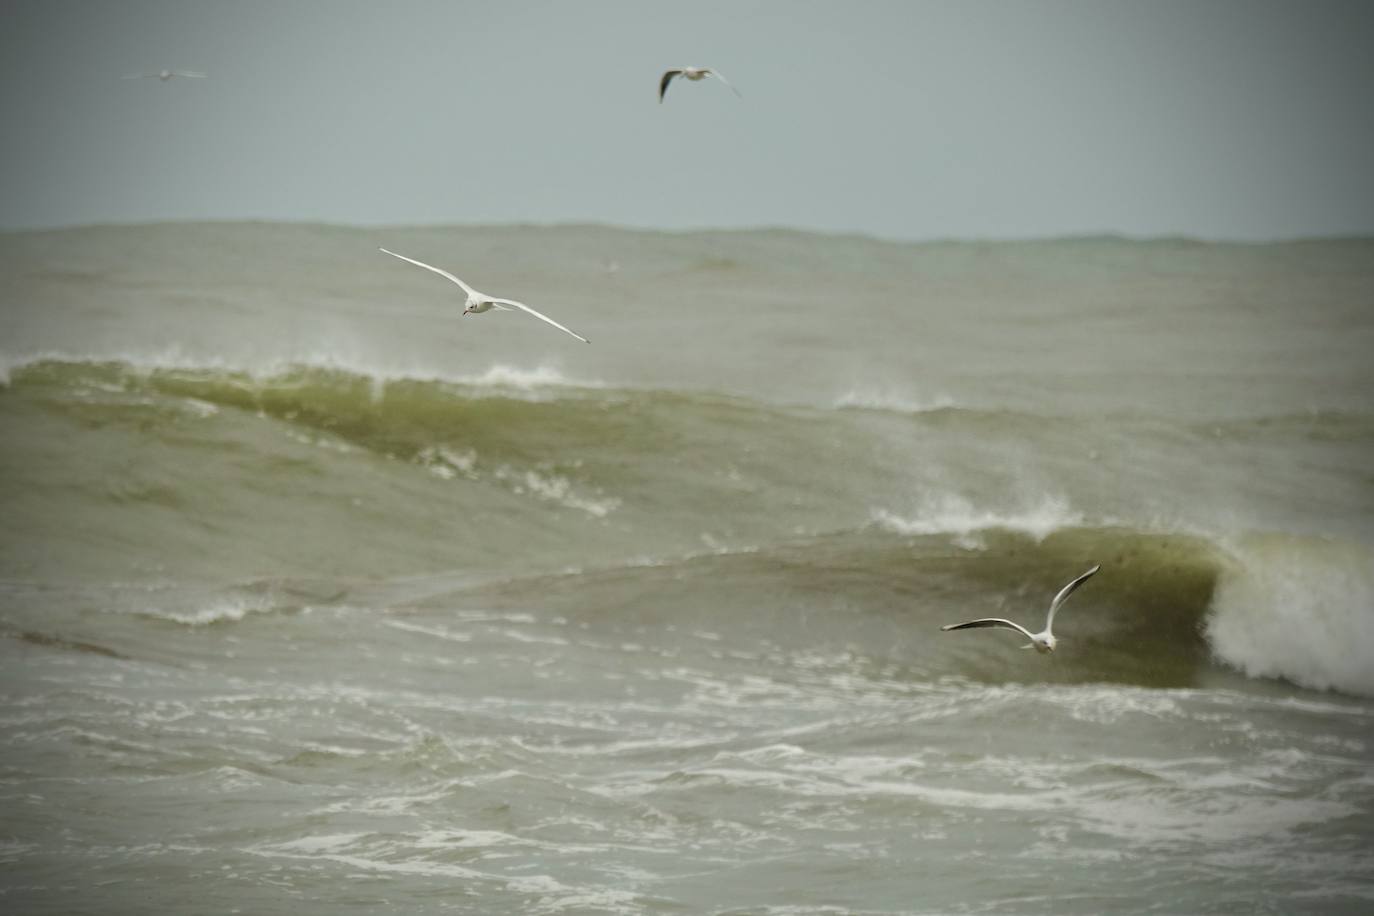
<point>1082,236</point>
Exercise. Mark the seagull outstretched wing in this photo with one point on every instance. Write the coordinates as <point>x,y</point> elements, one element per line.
<point>990,622</point>
<point>443,273</point>
<point>663,83</point>
<point>523,307</point>
<point>721,76</point>
<point>1065,592</point>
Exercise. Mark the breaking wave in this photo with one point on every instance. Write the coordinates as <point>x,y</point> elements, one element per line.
<point>650,474</point>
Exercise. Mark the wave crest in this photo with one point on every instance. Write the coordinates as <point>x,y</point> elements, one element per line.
<point>890,399</point>
<point>955,516</point>
<point>507,378</point>
<point>1300,609</point>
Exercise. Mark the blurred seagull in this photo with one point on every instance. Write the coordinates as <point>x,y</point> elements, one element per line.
<point>694,74</point>
<point>480,302</point>
<point>1041,642</point>
<point>165,75</point>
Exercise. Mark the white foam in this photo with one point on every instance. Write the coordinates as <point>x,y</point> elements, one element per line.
<point>223,610</point>
<point>556,489</point>
<point>448,463</point>
<point>199,408</point>
<point>502,376</point>
<point>954,515</point>
<point>436,632</point>
<point>1298,608</point>
<point>320,843</point>
<point>866,398</point>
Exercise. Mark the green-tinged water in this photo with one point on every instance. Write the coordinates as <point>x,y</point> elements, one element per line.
<point>317,596</point>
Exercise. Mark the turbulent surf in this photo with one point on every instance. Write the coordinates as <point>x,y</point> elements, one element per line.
<point>656,625</point>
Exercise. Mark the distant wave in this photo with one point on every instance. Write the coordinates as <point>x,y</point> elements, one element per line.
<point>544,382</point>
<point>866,398</point>
<point>498,376</point>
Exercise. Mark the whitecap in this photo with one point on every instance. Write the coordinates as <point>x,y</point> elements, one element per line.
<point>891,399</point>
<point>503,376</point>
<point>226,609</point>
<point>954,515</point>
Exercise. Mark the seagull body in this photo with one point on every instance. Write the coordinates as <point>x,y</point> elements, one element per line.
<point>165,75</point>
<point>477,303</point>
<point>695,74</point>
<point>1041,642</point>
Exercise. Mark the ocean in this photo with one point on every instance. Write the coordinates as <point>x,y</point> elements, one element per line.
<point>317,596</point>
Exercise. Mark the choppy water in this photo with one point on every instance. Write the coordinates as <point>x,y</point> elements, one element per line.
<point>316,596</point>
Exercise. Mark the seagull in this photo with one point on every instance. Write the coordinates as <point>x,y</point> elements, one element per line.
<point>1041,642</point>
<point>165,75</point>
<point>480,302</point>
<point>694,74</point>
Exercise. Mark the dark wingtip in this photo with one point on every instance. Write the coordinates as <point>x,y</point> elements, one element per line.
<point>663,83</point>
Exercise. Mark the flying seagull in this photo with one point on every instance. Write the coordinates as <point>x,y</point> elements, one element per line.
<point>480,302</point>
<point>1041,642</point>
<point>165,75</point>
<point>694,74</point>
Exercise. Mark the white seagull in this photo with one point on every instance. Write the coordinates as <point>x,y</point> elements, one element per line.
<point>480,302</point>
<point>694,74</point>
<point>1043,641</point>
<point>165,75</point>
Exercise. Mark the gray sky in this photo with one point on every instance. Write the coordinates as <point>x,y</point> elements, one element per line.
<point>912,120</point>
